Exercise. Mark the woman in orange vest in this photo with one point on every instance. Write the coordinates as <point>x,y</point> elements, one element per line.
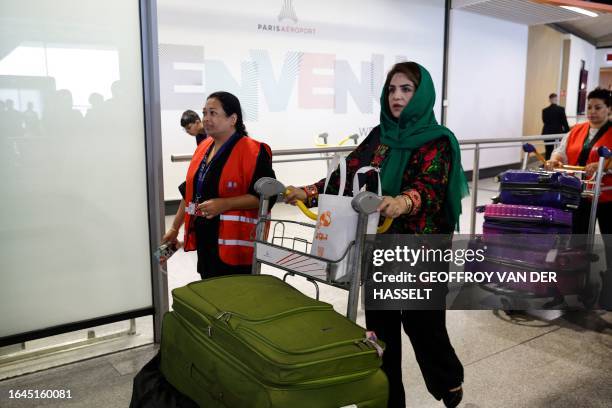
<point>221,202</point>
<point>579,148</point>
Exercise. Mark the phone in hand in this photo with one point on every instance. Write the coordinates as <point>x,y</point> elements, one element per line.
<point>165,251</point>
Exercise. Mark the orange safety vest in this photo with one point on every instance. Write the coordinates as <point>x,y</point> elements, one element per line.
<point>577,136</point>
<point>236,227</point>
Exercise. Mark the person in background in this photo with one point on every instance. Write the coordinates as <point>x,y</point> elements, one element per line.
<point>554,120</point>
<point>31,121</point>
<point>190,121</point>
<point>13,119</point>
<point>423,184</point>
<point>579,148</point>
<point>221,201</point>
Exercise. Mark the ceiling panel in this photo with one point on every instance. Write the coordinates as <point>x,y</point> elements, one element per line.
<point>597,30</point>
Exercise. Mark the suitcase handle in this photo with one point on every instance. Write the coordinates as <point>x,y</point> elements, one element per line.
<point>545,178</point>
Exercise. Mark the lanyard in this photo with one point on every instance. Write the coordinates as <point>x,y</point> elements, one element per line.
<point>205,167</point>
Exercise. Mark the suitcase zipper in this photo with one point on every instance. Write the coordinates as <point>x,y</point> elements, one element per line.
<point>534,187</point>
<point>526,221</point>
<point>274,346</point>
<point>369,345</point>
<point>225,316</point>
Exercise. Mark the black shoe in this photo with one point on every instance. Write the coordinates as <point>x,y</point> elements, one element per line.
<point>453,398</point>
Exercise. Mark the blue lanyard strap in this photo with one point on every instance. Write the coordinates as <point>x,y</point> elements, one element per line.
<point>205,167</point>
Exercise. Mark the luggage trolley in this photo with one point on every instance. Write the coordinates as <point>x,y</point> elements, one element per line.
<point>591,188</point>
<point>291,253</point>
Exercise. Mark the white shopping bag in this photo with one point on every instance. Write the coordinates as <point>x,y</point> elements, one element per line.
<point>337,222</point>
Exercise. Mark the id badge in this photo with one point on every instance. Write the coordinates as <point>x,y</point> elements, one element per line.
<point>191,209</point>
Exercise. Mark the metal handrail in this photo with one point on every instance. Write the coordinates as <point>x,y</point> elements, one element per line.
<point>468,144</point>
<point>347,149</point>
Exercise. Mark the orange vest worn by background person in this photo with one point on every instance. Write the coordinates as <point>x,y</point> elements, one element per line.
<point>237,227</point>
<point>576,139</point>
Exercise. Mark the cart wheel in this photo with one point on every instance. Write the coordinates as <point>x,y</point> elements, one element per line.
<point>506,305</point>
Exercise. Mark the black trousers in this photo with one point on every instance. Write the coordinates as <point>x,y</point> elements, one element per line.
<point>580,225</point>
<point>582,214</point>
<point>426,329</point>
<point>549,148</point>
<point>210,264</point>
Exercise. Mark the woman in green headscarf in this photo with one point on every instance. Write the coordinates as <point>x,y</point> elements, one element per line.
<point>423,184</point>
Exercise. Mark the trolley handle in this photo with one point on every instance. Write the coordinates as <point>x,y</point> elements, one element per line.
<point>529,148</point>
<point>353,137</point>
<point>362,204</point>
<point>269,187</point>
<point>603,151</point>
<point>606,153</point>
<point>323,136</point>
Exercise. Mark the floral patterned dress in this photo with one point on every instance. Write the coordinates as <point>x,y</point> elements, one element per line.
<point>424,182</point>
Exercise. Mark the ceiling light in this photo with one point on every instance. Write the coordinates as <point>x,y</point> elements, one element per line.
<point>581,11</point>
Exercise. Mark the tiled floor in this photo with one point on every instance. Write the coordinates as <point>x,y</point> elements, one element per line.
<point>521,362</point>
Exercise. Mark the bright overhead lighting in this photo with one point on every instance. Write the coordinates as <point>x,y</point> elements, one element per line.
<point>580,10</point>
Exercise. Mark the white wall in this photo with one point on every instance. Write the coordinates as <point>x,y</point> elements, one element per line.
<point>600,58</point>
<point>486,83</point>
<point>580,50</point>
<point>602,62</point>
<point>293,86</point>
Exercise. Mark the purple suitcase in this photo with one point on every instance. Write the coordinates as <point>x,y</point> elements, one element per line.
<point>532,226</point>
<point>571,267</point>
<point>528,214</point>
<point>505,227</point>
<point>567,283</point>
<point>526,235</point>
<point>542,188</point>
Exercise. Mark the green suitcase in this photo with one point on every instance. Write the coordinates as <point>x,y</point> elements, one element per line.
<point>255,341</point>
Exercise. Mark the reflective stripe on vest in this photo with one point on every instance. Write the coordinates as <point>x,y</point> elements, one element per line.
<point>239,218</point>
<point>238,225</point>
<point>236,242</point>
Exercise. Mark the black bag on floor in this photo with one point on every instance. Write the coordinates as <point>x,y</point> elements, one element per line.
<point>151,390</point>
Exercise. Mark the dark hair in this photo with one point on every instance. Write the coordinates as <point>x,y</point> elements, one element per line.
<point>552,95</point>
<point>188,118</point>
<point>231,105</point>
<point>410,69</point>
<point>603,94</point>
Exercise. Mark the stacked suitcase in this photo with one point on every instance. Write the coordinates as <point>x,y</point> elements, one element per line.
<point>529,229</point>
<point>255,341</point>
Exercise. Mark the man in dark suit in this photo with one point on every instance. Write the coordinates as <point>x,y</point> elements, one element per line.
<point>554,120</point>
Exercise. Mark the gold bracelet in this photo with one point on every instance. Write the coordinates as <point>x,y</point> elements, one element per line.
<point>408,203</point>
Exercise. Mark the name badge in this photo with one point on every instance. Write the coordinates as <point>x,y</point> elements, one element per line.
<point>191,209</point>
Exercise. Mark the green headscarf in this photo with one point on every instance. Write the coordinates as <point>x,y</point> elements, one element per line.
<point>416,126</point>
